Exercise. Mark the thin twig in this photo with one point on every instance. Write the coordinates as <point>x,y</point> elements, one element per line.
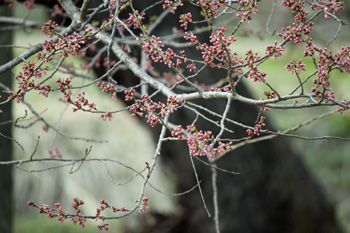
<point>198,183</point>
<point>215,199</point>
<point>35,149</point>
<point>270,17</point>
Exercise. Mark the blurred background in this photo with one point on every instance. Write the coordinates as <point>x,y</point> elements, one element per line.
<point>130,142</point>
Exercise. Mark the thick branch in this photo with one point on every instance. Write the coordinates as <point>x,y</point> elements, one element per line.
<point>33,50</point>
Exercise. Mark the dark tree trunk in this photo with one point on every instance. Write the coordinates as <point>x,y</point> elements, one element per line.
<point>6,202</point>
<point>273,193</point>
